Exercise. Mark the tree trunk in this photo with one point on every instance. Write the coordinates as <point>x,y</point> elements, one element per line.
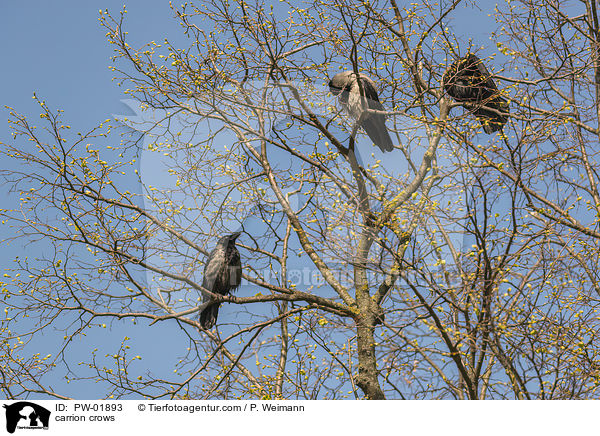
<point>367,379</point>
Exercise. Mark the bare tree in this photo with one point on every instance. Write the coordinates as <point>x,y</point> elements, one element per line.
<point>464,266</point>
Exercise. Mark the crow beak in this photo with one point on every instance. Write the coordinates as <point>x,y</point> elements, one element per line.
<point>235,235</point>
<point>334,90</point>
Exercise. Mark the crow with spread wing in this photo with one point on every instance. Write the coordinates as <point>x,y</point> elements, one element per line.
<point>468,81</point>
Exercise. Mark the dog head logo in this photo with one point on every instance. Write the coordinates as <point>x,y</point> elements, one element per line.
<point>26,415</point>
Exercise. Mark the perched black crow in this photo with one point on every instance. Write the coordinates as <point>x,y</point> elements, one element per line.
<point>222,275</point>
<point>346,86</point>
<point>468,81</point>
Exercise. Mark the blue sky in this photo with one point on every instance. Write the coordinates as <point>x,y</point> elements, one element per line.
<point>58,50</point>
